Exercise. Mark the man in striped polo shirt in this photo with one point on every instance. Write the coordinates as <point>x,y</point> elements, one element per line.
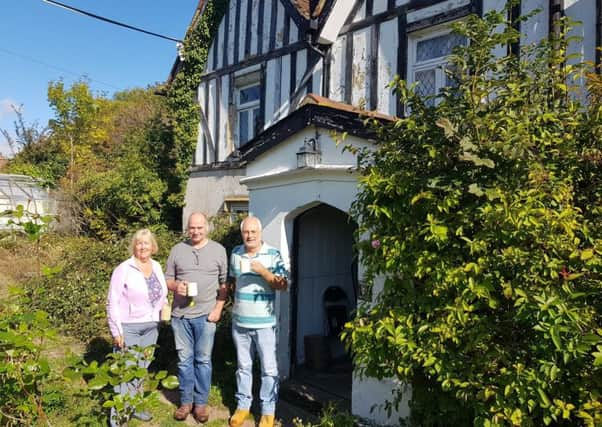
<point>257,272</point>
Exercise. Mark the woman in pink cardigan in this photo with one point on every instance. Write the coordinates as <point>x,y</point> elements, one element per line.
<point>136,295</point>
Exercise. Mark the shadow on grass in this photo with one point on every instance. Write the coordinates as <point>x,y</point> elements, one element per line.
<point>97,349</point>
<point>223,358</point>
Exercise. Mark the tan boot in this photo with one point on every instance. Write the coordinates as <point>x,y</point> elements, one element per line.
<point>183,411</point>
<point>266,421</point>
<point>239,417</point>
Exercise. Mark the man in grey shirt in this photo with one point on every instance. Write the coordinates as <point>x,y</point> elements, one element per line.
<point>202,261</point>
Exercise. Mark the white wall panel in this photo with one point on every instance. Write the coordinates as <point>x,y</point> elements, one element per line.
<point>231,31</point>
<point>242,29</point>
<point>267,19</point>
<point>360,81</point>
<point>200,159</point>
<point>225,139</point>
<point>279,25</point>
<point>337,70</point>
<point>285,81</point>
<point>536,27</point>
<point>387,65</point>
<point>379,6</point>
<point>211,120</point>
<point>254,24</point>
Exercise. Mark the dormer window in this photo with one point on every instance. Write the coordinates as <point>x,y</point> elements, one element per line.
<point>248,94</point>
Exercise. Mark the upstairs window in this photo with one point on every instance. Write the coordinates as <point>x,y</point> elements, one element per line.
<point>428,54</point>
<point>248,94</point>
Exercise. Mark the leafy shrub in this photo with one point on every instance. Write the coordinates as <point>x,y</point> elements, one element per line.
<point>330,417</point>
<point>487,236</point>
<point>99,381</point>
<point>23,370</point>
<point>74,291</point>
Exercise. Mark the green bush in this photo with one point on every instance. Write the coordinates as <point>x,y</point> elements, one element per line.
<point>74,291</point>
<point>23,369</point>
<point>487,236</point>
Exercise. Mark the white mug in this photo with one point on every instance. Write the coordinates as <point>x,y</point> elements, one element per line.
<point>245,265</point>
<point>166,312</point>
<point>192,289</point>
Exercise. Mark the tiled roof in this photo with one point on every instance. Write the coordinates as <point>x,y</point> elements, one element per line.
<point>314,99</point>
<point>303,7</point>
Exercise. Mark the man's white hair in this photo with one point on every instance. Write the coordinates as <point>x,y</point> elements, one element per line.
<point>248,218</point>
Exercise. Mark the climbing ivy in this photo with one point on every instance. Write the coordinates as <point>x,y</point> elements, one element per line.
<point>181,101</point>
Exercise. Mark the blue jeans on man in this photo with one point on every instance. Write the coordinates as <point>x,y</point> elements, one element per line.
<point>262,341</point>
<point>194,343</point>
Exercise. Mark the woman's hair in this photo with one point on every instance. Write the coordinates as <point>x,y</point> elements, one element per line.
<point>144,232</point>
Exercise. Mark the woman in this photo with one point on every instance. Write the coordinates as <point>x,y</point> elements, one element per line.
<point>136,295</point>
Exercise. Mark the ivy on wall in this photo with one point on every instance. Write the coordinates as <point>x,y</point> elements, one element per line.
<point>182,105</point>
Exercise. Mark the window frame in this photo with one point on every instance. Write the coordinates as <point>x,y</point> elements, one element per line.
<point>241,83</point>
<point>437,64</point>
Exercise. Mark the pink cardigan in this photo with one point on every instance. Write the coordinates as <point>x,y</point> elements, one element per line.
<point>128,301</point>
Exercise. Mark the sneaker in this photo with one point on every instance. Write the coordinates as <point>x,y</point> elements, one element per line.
<point>182,412</point>
<point>201,413</point>
<point>239,416</point>
<point>142,416</point>
<point>266,421</point>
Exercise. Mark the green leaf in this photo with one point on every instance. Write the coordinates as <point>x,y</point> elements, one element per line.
<point>555,334</point>
<point>170,382</point>
<point>97,383</point>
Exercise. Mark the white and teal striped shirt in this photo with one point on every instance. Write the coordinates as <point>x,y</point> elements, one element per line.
<point>254,297</point>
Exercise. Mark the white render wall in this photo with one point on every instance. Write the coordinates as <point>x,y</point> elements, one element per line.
<point>278,193</point>
<point>205,191</point>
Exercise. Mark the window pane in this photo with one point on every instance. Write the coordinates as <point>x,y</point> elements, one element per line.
<point>426,82</point>
<point>243,127</point>
<point>438,47</point>
<point>249,94</point>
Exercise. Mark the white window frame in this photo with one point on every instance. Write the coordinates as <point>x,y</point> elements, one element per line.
<point>244,82</point>
<point>436,64</point>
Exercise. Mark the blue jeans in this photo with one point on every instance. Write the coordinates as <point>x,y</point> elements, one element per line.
<point>247,342</point>
<point>194,344</point>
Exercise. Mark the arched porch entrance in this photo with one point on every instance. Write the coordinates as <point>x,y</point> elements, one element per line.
<point>324,271</point>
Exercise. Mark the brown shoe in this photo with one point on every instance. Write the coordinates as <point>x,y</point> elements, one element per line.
<point>201,413</point>
<point>182,412</point>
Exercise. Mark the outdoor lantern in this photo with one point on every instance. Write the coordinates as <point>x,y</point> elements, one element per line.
<point>308,155</point>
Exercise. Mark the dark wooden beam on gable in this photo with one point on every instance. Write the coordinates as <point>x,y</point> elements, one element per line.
<point>441,18</point>
<point>402,56</point>
<point>356,8</point>
<point>248,28</point>
<point>236,31</point>
<point>348,68</point>
<point>273,22</point>
<point>515,12</point>
<point>254,60</point>
<point>325,13</point>
<point>292,12</point>
<point>556,12</point>
<point>260,27</point>
<point>374,37</point>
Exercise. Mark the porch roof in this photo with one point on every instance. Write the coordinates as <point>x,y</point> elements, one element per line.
<point>316,111</point>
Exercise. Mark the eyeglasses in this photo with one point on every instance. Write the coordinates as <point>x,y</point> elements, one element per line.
<point>196,257</point>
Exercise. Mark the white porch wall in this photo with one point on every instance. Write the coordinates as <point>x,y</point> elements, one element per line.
<point>278,193</point>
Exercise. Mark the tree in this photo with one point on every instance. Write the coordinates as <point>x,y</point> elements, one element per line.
<point>35,154</point>
<point>481,222</point>
<point>81,123</point>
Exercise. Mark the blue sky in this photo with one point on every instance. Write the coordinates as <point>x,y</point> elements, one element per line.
<point>40,43</point>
